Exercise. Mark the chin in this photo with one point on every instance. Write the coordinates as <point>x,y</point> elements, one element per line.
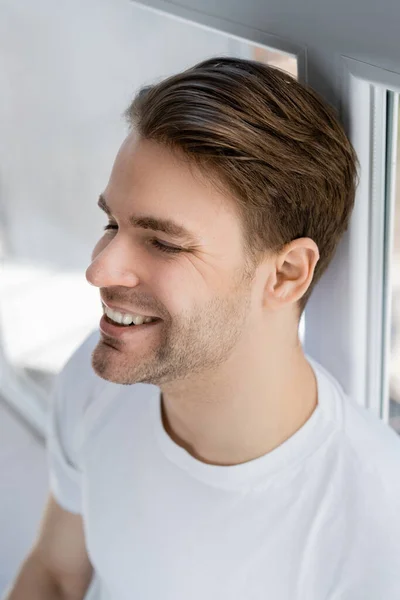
<point>109,364</point>
<point>104,364</point>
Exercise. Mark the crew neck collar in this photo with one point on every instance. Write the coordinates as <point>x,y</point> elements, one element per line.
<point>304,442</point>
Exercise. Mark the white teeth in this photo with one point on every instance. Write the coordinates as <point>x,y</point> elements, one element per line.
<point>126,319</point>
<point>138,320</point>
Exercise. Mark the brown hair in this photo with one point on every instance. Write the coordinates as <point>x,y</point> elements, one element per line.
<point>270,140</point>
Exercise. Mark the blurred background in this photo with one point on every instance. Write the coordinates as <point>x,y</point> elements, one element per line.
<point>68,70</point>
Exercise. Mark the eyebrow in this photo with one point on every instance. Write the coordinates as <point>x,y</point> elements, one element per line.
<point>154,223</point>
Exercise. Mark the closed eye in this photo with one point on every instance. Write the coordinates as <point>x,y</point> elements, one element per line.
<point>164,247</point>
<point>154,242</point>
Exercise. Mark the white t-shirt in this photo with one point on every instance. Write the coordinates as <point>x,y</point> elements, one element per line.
<point>318,518</point>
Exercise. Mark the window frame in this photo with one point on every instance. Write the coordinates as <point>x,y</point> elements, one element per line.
<point>365,110</point>
<point>238,32</point>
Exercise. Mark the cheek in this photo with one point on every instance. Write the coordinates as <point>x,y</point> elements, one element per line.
<point>179,292</point>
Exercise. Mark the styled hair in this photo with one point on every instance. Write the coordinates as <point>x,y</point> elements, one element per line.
<point>272,142</point>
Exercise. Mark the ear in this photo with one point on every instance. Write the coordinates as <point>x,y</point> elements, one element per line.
<point>292,273</point>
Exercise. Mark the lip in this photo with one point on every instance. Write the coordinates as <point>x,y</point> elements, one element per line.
<point>123,333</point>
<point>127,310</point>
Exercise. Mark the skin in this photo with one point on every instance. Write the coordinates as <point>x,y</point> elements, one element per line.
<point>228,339</point>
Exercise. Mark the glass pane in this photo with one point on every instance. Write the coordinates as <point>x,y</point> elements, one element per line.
<point>394,368</point>
<point>66,79</point>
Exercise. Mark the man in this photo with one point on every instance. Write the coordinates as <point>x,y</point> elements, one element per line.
<point>195,451</point>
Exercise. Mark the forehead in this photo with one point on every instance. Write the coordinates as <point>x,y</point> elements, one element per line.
<point>137,157</point>
<point>148,175</point>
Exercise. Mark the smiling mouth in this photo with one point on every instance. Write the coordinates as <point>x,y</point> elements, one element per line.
<point>131,324</point>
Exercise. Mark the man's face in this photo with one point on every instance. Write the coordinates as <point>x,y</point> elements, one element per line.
<point>200,293</point>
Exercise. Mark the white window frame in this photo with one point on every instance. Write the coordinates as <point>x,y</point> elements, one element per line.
<point>364,97</point>
<point>241,34</point>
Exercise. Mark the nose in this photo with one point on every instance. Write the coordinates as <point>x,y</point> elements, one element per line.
<point>111,266</point>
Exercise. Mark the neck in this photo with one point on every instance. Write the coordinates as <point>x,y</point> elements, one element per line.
<point>245,410</point>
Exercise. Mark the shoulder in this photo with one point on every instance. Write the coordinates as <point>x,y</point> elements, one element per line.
<point>371,495</point>
<point>77,391</point>
<point>375,447</point>
<point>370,437</point>
<point>76,386</point>
<point>372,442</point>
<point>369,448</point>
<point>81,398</point>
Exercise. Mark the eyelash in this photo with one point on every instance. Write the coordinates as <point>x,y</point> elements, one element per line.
<point>155,243</point>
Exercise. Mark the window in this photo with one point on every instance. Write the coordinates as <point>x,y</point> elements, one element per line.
<point>392,290</point>
<point>383,296</point>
